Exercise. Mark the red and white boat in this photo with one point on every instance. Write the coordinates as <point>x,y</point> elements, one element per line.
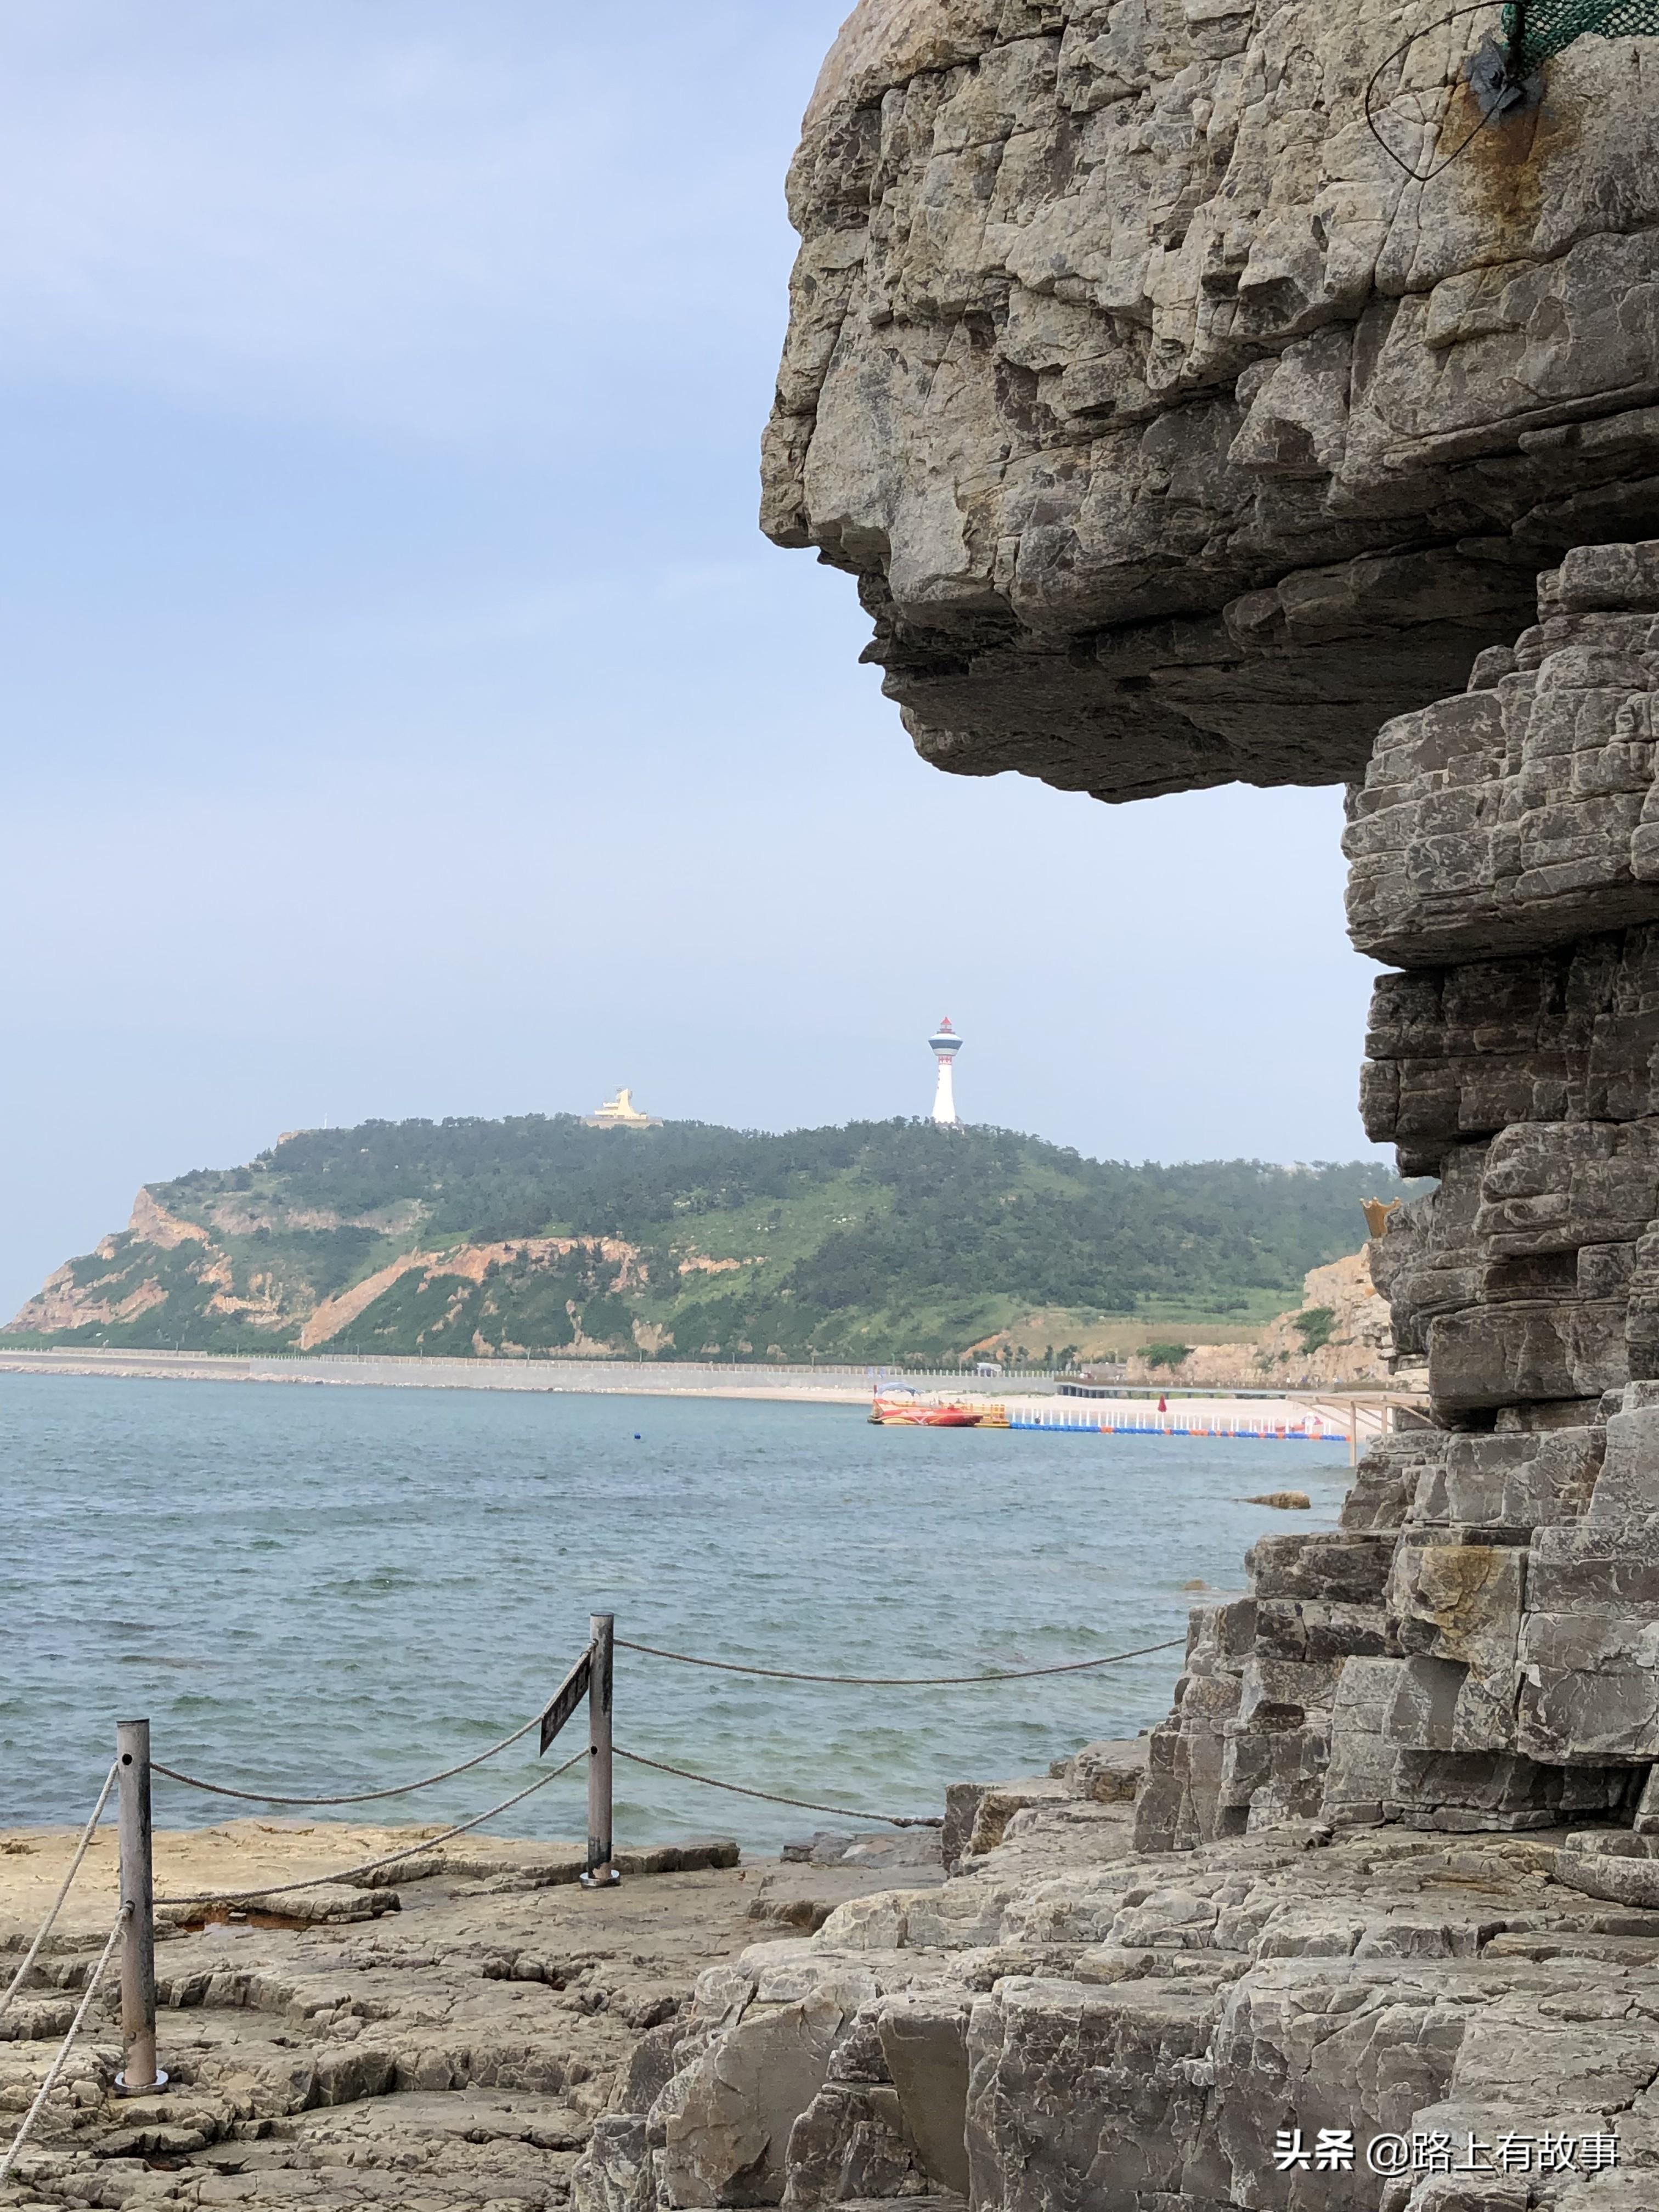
<point>909,1413</point>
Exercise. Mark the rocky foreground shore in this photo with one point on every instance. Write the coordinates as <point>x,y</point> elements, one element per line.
<point>1402,2015</point>
<point>446,2042</point>
<point>1378,2012</point>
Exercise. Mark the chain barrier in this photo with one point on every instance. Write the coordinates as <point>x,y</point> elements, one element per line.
<point>800,1804</point>
<point>65,2046</point>
<point>679,1658</point>
<point>45,1927</point>
<point>373,1866</point>
<point>895,1681</point>
<point>683,1774</point>
<point>592,1674</point>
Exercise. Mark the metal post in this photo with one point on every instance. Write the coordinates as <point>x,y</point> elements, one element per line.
<point>602,1629</point>
<point>140,2076</point>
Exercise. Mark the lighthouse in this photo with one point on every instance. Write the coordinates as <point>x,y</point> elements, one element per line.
<point>944,1044</point>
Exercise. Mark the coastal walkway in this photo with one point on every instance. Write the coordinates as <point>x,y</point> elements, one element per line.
<point>1260,1421</point>
<point>1351,1417</point>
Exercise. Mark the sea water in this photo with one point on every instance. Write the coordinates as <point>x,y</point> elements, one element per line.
<point>321,1590</point>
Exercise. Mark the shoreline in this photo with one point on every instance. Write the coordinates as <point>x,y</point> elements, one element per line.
<point>800,1386</point>
<point>387,1371</point>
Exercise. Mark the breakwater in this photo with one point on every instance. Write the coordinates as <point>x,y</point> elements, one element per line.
<point>613,1377</point>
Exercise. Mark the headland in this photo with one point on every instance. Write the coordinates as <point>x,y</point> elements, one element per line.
<point>541,1238</point>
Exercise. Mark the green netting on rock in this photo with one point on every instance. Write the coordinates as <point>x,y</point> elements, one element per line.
<point>1535,30</point>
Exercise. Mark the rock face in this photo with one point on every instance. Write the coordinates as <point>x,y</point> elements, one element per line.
<point>1472,1654</point>
<point>1074,2023</point>
<point>1341,1317</point>
<point>1125,362</point>
<point>1176,436</point>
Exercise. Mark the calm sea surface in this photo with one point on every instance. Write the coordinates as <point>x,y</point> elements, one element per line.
<point>330,1588</point>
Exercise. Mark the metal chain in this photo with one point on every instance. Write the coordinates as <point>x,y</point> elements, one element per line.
<point>802,1804</point>
<point>64,2047</point>
<point>683,1659</point>
<point>34,1952</point>
<point>896,1681</point>
<point>372,1865</point>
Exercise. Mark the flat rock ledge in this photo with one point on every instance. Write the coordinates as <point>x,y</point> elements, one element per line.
<point>445,2037</point>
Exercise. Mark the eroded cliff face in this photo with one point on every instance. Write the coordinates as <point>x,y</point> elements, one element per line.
<point>258,1262</point>
<point>1391,1880</point>
<point>1112,321</point>
<point>1175,434</point>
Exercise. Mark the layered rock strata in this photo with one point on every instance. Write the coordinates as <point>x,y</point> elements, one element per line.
<point>1075,2023</point>
<point>1174,433</point>
<point>1393,1870</point>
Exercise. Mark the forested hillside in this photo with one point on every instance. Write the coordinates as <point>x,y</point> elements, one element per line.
<point>887,1240</point>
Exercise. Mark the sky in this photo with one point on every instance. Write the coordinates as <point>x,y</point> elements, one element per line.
<point>400,713</point>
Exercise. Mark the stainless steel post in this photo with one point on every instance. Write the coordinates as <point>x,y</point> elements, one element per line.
<point>140,2076</point>
<point>602,1629</point>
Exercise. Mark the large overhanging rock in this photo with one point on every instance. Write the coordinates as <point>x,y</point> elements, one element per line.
<point>1175,434</point>
<point>1176,437</point>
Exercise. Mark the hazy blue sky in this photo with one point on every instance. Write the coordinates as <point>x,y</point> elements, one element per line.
<point>402,713</point>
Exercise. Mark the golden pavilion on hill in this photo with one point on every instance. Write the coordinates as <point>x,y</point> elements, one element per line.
<point>619,1113</point>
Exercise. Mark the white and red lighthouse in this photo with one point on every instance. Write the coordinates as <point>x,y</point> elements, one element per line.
<point>944,1044</point>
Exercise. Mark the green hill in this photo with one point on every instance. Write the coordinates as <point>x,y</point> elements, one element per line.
<point>885,1240</point>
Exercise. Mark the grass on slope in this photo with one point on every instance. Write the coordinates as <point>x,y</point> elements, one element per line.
<point>878,1240</point>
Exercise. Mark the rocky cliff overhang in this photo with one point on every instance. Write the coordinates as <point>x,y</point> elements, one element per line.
<point>1174,434</point>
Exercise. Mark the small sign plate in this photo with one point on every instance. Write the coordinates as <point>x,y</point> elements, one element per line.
<point>565,1698</point>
